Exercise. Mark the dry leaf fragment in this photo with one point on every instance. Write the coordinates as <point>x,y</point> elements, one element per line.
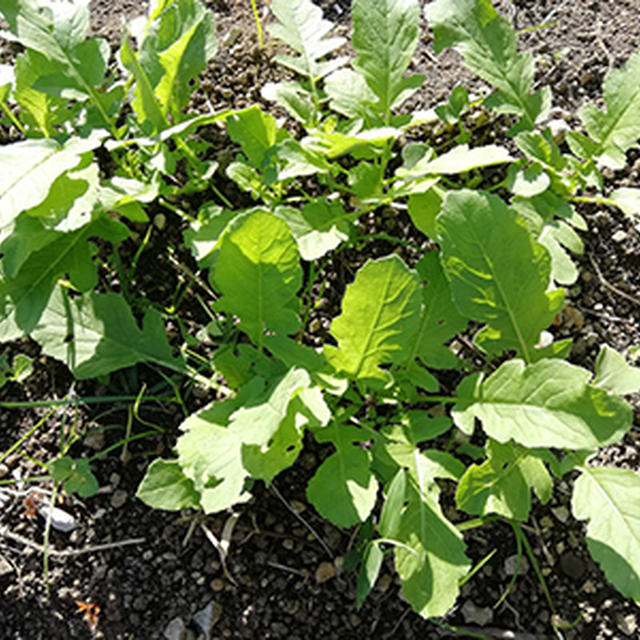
<point>91,612</point>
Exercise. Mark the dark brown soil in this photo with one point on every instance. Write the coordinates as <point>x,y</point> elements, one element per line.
<point>283,575</point>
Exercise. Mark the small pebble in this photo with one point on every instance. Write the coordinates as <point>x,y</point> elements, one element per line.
<point>325,571</point>
<point>627,624</point>
<point>619,236</point>
<point>118,498</point>
<point>94,441</point>
<point>160,220</point>
<point>572,566</point>
<point>561,513</point>
<point>511,562</point>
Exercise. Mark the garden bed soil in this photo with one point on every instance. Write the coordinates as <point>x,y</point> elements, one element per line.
<point>283,576</point>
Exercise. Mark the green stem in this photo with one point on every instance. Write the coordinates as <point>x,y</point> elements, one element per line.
<point>477,522</point>
<point>14,120</point>
<point>256,17</point>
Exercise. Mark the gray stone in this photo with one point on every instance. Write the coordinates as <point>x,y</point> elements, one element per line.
<point>627,624</point>
<point>175,630</point>
<point>208,617</point>
<point>473,614</point>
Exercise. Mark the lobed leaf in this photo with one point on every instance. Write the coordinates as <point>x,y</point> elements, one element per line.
<point>303,28</point>
<point>546,404</point>
<point>618,128</point>
<point>385,35</point>
<point>489,46</point>
<point>97,333</point>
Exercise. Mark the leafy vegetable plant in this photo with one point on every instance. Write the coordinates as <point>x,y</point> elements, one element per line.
<point>493,258</point>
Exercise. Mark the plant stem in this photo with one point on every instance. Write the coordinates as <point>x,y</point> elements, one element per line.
<point>256,17</point>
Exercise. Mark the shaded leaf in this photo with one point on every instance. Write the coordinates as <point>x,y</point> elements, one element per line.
<point>165,486</point>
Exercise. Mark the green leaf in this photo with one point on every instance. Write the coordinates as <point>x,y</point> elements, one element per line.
<point>165,486</point>
<point>302,27</point>
<point>319,227</point>
<point>618,128</point>
<point>24,297</point>
<point>258,272</point>
<point>379,320</point>
<point>498,485</point>
<point>498,274</point>
<point>350,95</point>
<point>394,502</point>
<point>343,488</point>
<point>462,159</point>
<point>431,560</point>
<point>145,103</point>
<point>546,404</point>
<point>548,218</point>
<point>178,44</point>
<point>385,35</point>
<point>28,169</point>
<point>489,46</point>
<point>295,99</point>
<point>96,333</point>
<point>627,199</point>
<point>369,570</point>
<point>229,441</point>
<point>423,209</point>
<point>255,131</point>
<point>334,144</point>
<point>75,475</point>
<point>614,374</point>
<point>41,111</point>
<point>608,498</point>
<point>68,62</point>
<point>439,320</point>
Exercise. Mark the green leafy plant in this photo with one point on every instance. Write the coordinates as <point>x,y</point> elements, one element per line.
<point>498,254</point>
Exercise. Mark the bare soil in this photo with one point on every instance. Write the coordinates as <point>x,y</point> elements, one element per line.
<point>283,575</point>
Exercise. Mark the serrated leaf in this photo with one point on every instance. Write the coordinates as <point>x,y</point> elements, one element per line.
<point>29,168</point>
<point>489,46</point>
<point>379,320</point>
<point>343,488</point>
<point>546,404</point>
<point>608,498</point>
<point>97,333</point>
<point>385,35</point>
<point>165,486</point>
<point>498,274</point>
<point>303,28</point>
<point>618,128</point>
<point>258,272</point>
<point>614,374</point>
